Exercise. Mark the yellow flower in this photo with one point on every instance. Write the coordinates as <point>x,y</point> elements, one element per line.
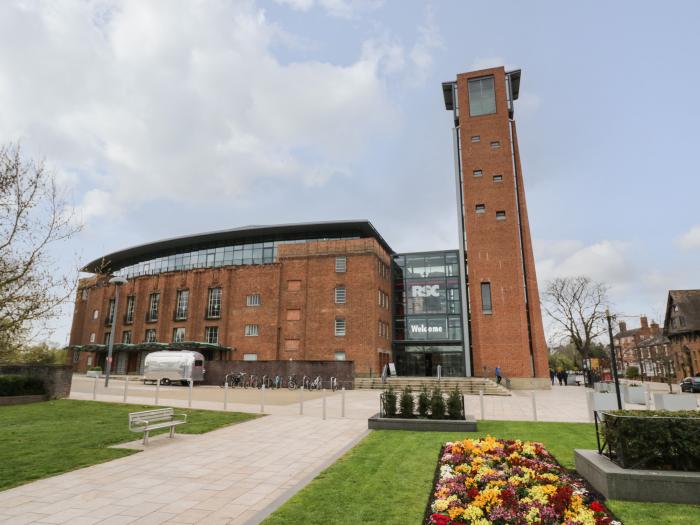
<point>472,513</point>
<point>454,512</point>
<point>541,493</point>
<point>487,498</point>
<point>533,515</point>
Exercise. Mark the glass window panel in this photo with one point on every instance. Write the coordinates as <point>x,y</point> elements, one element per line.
<point>486,306</point>
<point>482,97</point>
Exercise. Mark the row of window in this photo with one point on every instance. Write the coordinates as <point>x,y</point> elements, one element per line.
<point>480,173</point>
<point>481,208</point>
<point>211,335</point>
<point>383,269</point>
<point>384,330</point>
<point>494,144</point>
<point>383,299</point>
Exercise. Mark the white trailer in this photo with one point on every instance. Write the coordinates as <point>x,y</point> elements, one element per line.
<point>173,366</point>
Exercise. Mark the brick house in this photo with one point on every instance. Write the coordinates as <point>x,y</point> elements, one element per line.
<point>682,327</point>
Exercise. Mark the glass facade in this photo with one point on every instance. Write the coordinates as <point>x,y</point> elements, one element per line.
<point>216,256</point>
<point>428,314</point>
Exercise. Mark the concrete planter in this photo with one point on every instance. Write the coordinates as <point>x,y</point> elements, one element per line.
<point>598,401</point>
<point>425,425</point>
<point>675,402</point>
<point>635,395</point>
<point>21,400</point>
<point>603,388</point>
<point>614,482</point>
<point>92,373</point>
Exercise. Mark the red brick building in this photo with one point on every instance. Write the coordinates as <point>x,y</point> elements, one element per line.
<point>682,327</point>
<point>505,319</point>
<point>300,292</point>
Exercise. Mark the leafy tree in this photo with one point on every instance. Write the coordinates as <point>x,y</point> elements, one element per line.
<point>34,219</point>
<point>423,402</point>
<point>437,404</point>
<point>454,404</point>
<point>390,402</point>
<point>406,402</point>
<point>631,372</point>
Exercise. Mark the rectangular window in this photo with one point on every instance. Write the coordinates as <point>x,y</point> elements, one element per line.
<point>178,335</point>
<point>294,314</point>
<point>182,302</point>
<point>486,298</point>
<point>496,144</point>
<point>251,330</point>
<point>498,178</point>
<point>291,345</point>
<point>252,300</point>
<point>340,295</point>
<point>126,337</point>
<point>478,173</point>
<point>153,304</point>
<point>476,138</point>
<point>480,208</point>
<point>92,337</point>
<point>110,312</point>
<point>339,356</point>
<point>214,303</point>
<point>250,357</point>
<point>501,215</point>
<point>482,97</point>
<point>339,326</point>
<point>95,314</point>
<point>84,295</point>
<point>341,264</point>
<point>293,286</point>
<point>129,317</point>
<point>211,334</point>
<point>150,336</point>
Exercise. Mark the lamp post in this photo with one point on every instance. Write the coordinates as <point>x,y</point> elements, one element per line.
<point>117,281</point>
<point>613,360</point>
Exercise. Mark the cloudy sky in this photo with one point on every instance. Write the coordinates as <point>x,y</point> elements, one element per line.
<point>163,118</point>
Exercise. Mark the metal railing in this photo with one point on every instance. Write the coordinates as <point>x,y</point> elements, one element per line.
<point>490,373</point>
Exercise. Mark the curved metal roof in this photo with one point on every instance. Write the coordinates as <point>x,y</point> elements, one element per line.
<point>117,260</point>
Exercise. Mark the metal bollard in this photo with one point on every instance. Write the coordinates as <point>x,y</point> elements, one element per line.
<point>225,396</point>
<point>342,402</point>
<point>262,399</point>
<point>189,395</point>
<point>534,408</point>
<point>126,388</point>
<point>94,390</point>
<point>481,401</point>
<point>324,403</point>
<point>301,401</point>
<point>157,390</point>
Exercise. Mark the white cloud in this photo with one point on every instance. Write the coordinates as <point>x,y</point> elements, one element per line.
<point>182,101</point>
<point>690,240</point>
<point>430,40</point>
<point>336,8</point>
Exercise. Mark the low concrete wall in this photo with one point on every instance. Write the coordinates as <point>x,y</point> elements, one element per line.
<point>56,378</point>
<point>614,482</point>
<point>422,425</point>
<point>530,383</point>
<point>342,370</point>
<point>20,400</point>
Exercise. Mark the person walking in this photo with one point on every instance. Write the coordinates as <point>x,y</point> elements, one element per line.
<point>560,377</point>
<point>551,375</point>
<point>498,375</point>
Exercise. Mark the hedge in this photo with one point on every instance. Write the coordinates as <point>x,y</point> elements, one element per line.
<point>655,440</point>
<point>14,385</point>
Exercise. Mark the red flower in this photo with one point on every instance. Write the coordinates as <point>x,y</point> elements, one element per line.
<point>597,507</point>
<point>440,519</point>
<point>472,493</point>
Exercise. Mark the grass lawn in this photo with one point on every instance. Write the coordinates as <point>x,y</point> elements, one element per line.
<point>43,439</point>
<point>387,478</point>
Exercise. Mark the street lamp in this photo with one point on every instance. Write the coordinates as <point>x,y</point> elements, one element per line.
<point>613,360</point>
<point>117,281</point>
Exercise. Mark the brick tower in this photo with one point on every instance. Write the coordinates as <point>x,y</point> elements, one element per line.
<point>504,317</point>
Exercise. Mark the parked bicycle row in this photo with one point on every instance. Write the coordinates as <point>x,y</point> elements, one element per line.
<point>245,380</point>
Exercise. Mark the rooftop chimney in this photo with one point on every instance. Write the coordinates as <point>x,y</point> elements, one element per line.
<point>623,326</point>
<point>644,322</point>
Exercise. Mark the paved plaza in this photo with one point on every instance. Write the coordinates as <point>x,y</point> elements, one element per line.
<point>237,474</point>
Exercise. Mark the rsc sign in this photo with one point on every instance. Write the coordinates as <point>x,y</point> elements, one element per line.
<point>428,290</point>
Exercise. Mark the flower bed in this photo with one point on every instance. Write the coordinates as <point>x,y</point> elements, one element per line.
<point>496,481</point>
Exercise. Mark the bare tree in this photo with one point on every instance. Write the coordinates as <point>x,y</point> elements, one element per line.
<point>34,219</point>
<point>577,307</point>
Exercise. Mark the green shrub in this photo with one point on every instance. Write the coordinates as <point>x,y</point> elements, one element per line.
<point>437,404</point>
<point>423,402</point>
<point>454,404</point>
<point>656,440</point>
<point>389,401</point>
<point>631,372</point>
<point>94,369</point>
<point>14,385</point>
<point>406,403</point>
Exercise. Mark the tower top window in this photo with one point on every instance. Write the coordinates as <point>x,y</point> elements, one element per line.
<point>482,97</point>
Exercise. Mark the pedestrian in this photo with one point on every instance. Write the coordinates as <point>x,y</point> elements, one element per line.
<point>560,377</point>
<point>498,375</point>
<point>551,375</point>
<point>565,376</point>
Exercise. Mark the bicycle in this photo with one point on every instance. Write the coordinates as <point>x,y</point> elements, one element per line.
<point>316,384</point>
<point>265,382</point>
<point>334,384</point>
<point>252,381</point>
<point>292,382</point>
<point>277,382</point>
<point>234,379</point>
<point>305,383</point>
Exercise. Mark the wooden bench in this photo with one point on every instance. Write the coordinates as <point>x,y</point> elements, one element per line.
<point>148,420</point>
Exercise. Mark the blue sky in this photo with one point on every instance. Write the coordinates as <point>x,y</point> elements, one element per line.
<point>167,118</point>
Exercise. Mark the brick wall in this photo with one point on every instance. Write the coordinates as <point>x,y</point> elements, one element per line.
<point>56,378</point>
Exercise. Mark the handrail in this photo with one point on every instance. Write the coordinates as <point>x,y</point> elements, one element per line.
<point>488,373</point>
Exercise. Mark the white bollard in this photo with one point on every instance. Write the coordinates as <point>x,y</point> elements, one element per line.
<point>301,400</point>
<point>534,408</point>
<point>126,388</point>
<point>157,390</point>
<point>225,396</point>
<point>94,390</point>
<point>481,402</point>
<point>324,403</point>
<point>342,402</point>
<point>262,399</point>
<point>189,395</point>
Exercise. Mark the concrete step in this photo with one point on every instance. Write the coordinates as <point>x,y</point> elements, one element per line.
<point>466,385</point>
